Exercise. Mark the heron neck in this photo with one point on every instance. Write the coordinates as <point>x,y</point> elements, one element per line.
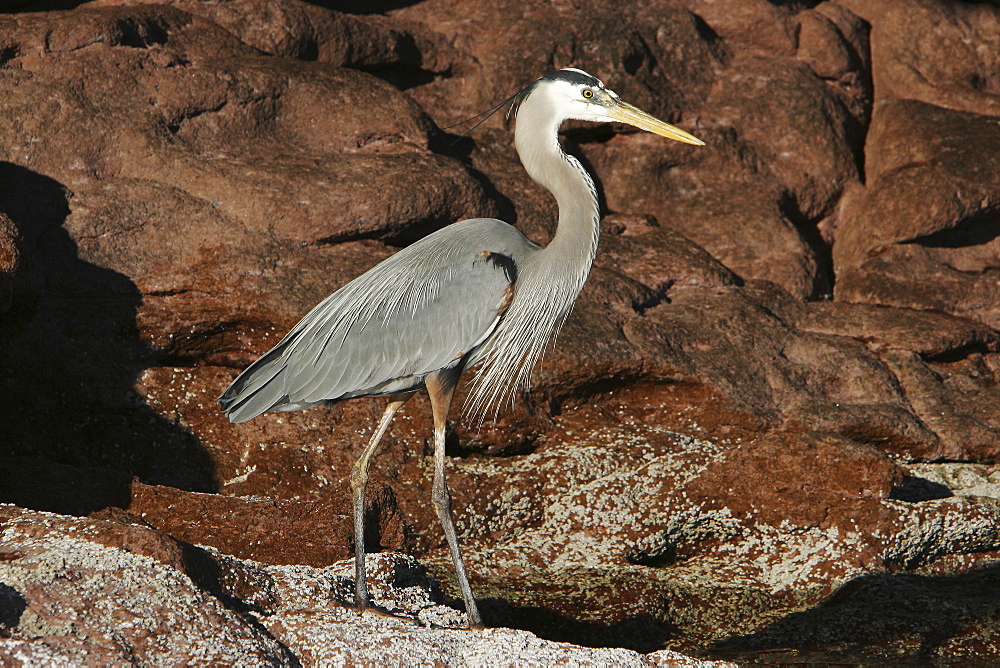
<point>576,237</point>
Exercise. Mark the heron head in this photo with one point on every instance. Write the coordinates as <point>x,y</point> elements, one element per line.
<point>575,94</point>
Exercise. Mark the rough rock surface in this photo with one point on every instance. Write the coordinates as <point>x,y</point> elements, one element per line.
<point>769,431</point>
<point>111,591</point>
<point>922,232</point>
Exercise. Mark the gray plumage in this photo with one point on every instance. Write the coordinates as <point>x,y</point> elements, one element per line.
<point>476,292</point>
<point>384,331</point>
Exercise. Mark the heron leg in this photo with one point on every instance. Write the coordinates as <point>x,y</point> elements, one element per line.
<point>359,481</point>
<point>441,388</point>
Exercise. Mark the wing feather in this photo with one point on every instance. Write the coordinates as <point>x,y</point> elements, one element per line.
<point>421,310</point>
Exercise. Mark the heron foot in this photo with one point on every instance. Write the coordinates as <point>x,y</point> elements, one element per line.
<point>364,605</point>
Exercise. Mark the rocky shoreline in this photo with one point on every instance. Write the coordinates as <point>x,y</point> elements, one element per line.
<point>769,432</point>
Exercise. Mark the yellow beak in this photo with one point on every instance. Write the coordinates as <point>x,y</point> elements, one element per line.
<point>623,112</point>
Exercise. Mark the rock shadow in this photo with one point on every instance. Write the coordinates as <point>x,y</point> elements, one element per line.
<point>914,489</point>
<point>977,230</point>
<point>16,6</point>
<point>898,618</point>
<point>12,606</point>
<point>74,428</point>
<point>363,6</point>
<point>641,633</point>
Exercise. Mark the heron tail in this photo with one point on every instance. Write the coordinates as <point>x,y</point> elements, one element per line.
<point>257,390</point>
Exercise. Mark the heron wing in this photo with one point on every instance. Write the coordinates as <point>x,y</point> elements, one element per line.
<point>423,309</point>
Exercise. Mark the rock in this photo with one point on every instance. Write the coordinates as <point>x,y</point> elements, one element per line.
<point>207,122</point>
<point>834,42</point>
<point>658,257</point>
<point>270,530</point>
<point>233,611</point>
<point>210,115</point>
<point>935,52</point>
<point>908,605</point>
<point>711,217</point>
<point>299,30</point>
<point>955,399</point>
<point>56,568</point>
<point>930,334</point>
<point>918,234</point>
<point>609,521</point>
<point>758,24</point>
<point>941,363</point>
<point>711,333</point>
<point>659,46</point>
<point>795,125</point>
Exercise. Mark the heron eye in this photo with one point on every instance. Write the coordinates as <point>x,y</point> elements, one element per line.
<point>587,93</point>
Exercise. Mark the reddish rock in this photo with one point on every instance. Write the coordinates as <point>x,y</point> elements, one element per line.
<point>271,531</point>
<point>934,51</point>
<point>657,256</point>
<point>608,522</point>
<point>743,226</point>
<point>930,334</point>
<point>295,29</point>
<point>712,333</point>
<point>801,478</point>
<point>918,234</point>
<point>795,125</point>
<point>249,135</point>
<point>834,42</point>
<point>957,399</point>
<point>757,25</point>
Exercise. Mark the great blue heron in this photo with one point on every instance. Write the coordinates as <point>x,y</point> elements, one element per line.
<point>476,291</point>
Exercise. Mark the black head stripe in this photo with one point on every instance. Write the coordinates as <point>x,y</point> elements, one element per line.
<point>572,76</point>
<point>575,77</point>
